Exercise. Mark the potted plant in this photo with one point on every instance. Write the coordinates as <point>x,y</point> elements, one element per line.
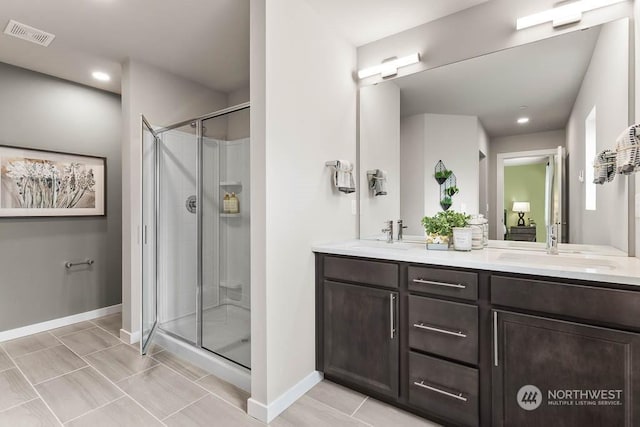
<point>441,227</point>
<point>438,231</point>
<point>446,203</point>
<point>441,176</point>
<point>451,191</point>
<point>462,233</point>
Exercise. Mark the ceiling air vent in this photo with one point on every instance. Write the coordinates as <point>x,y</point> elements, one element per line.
<point>30,34</point>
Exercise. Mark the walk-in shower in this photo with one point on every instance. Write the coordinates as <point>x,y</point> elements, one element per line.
<point>195,252</point>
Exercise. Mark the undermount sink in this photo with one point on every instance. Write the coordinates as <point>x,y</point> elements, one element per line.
<point>378,246</point>
<point>559,260</point>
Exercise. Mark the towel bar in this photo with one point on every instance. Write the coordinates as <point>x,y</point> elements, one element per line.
<point>70,264</point>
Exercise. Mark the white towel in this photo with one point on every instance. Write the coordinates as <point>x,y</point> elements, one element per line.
<point>628,150</point>
<point>343,177</point>
<point>378,182</point>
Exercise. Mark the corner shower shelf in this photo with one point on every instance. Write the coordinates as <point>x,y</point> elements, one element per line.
<point>230,215</point>
<point>231,285</point>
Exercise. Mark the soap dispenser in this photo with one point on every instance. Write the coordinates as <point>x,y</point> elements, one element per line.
<point>226,203</point>
<point>234,204</point>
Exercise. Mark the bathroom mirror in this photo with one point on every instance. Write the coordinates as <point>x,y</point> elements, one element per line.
<point>518,128</point>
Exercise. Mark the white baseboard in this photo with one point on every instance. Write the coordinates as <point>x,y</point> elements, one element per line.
<point>58,323</point>
<point>266,413</point>
<point>129,337</point>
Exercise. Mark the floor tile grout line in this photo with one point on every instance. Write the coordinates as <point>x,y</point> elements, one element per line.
<point>58,376</point>
<point>184,407</point>
<point>104,349</point>
<point>38,351</point>
<point>120,389</point>
<point>35,390</point>
<point>107,331</point>
<point>18,405</point>
<point>202,387</point>
<point>95,409</point>
<point>6,369</point>
<point>335,409</point>
<point>70,333</point>
<point>359,406</point>
<point>132,375</point>
<point>31,352</point>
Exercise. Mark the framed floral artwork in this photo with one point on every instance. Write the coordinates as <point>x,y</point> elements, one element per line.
<point>37,183</point>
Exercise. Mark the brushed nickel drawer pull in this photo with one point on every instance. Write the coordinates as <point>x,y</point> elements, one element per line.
<point>439,330</point>
<point>458,396</point>
<point>448,285</point>
<point>392,315</point>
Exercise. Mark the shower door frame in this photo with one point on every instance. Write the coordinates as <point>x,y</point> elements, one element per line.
<point>199,216</point>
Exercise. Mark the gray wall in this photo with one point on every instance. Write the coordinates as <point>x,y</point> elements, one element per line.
<point>512,144</point>
<point>605,86</point>
<point>38,111</point>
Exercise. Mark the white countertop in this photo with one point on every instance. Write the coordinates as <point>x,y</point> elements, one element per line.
<point>585,265</point>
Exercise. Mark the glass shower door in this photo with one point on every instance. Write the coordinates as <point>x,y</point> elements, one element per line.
<point>149,295</point>
<point>226,326</point>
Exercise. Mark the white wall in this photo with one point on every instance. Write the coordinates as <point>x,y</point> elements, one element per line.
<point>413,173</point>
<point>483,147</point>
<point>426,139</point>
<point>379,149</point>
<point>303,114</point>
<point>605,86</point>
<point>164,99</point>
<point>512,144</point>
<point>636,119</point>
<point>454,140</point>
<point>486,28</point>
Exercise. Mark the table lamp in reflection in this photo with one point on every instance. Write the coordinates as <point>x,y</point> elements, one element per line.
<point>521,208</point>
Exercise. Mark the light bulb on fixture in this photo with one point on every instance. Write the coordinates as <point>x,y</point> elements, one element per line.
<point>564,14</point>
<point>99,75</point>
<point>389,67</point>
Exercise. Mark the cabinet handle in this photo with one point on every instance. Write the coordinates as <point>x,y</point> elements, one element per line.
<point>392,315</point>
<point>448,285</point>
<point>458,396</point>
<point>495,338</point>
<point>439,330</point>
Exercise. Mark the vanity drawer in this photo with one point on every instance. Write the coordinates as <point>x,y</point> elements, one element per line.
<point>361,271</point>
<point>444,328</point>
<point>444,388</point>
<point>438,281</point>
<point>611,306</point>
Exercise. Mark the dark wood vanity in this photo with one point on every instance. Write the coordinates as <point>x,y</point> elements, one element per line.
<point>457,345</point>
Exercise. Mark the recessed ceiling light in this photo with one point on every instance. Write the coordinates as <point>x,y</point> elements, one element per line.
<point>523,120</point>
<point>99,75</point>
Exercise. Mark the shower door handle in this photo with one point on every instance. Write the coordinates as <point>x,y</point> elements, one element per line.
<point>144,234</point>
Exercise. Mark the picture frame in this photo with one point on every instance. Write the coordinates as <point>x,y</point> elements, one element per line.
<point>43,183</point>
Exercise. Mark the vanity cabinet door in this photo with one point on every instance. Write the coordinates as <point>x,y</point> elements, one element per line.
<point>360,336</point>
<point>554,373</point>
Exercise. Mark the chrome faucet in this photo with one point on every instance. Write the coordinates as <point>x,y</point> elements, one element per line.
<point>389,231</point>
<point>401,227</point>
<point>552,238</point>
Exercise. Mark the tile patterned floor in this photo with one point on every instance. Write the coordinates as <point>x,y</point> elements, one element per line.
<point>82,375</point>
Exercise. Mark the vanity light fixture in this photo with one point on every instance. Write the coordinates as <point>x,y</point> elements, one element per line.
<point>389,67</point>
<point>563,15</point>
<point>99,75</point>
<point>523,120</point>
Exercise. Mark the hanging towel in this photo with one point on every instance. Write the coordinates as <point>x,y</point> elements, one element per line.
<point>604,167</point>
<point>378,182</point>
<point>628,150</point>
<point>343,177</point>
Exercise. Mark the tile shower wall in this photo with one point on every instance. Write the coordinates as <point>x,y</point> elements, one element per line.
<point>43,112</point>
